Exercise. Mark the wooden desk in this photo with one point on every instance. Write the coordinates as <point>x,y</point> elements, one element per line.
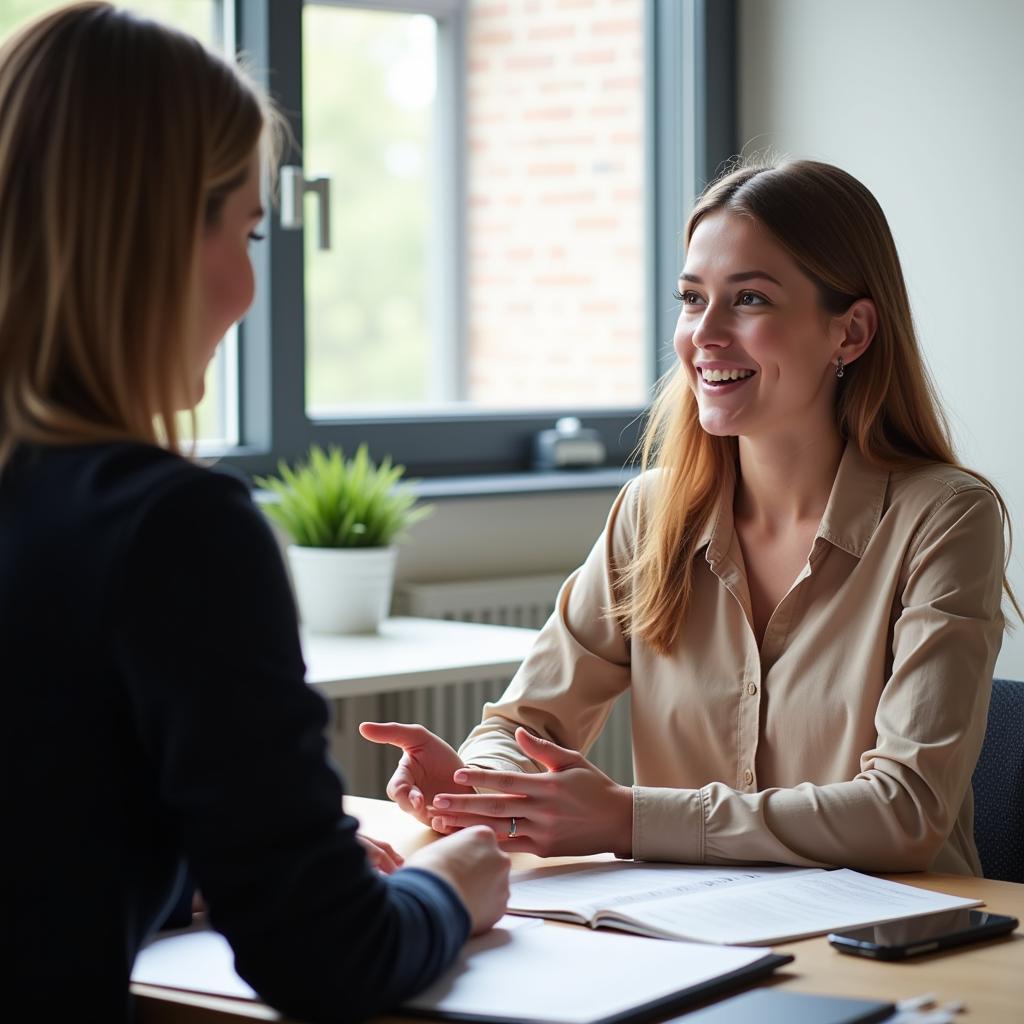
<point>988,978</point>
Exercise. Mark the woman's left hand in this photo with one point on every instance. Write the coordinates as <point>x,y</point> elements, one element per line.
<point>571,809</point>
<point>381,855</point>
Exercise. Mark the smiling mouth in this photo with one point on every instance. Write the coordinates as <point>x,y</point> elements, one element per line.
<point>723,378</point>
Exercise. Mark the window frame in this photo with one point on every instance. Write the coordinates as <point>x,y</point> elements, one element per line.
<point>689,94</point>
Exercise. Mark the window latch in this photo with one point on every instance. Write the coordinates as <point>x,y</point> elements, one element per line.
<point>294,186</point>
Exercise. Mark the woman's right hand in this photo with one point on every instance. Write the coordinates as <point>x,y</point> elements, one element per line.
<point>473,864</point>
<point>426,767</point>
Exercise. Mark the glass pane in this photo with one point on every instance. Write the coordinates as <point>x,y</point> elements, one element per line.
<point>554,314</point>
<point>217,419</point>
<point>368,86</point>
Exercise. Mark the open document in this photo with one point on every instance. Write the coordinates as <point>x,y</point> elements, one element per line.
<point>733,906</point>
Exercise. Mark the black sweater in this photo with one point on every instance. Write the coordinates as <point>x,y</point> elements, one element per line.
<point>155,713</point>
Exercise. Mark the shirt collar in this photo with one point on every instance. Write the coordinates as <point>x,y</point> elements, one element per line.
<point>853,511</point>
<point>854,507</point>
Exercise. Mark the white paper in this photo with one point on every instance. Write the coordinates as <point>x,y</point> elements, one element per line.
<point>523,969</point>
<point>572,975</point>
<point>586,889</point>
<point>193,960</point>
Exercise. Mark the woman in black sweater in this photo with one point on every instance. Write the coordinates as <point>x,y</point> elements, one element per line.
<point>156,711</point>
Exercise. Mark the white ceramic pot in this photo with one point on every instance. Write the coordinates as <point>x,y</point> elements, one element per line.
<point>342,590</point>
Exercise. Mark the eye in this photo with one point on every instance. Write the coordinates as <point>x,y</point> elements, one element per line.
<point>687,298</point>
<point>255,236</point>
<point>751,299</point>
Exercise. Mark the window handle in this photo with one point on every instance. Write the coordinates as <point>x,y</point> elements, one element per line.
<point>294,186</point>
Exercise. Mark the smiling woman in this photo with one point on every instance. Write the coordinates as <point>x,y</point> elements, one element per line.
<point>801,593</point>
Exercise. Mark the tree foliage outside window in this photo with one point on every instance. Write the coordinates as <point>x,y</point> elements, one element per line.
<point>368,95</point>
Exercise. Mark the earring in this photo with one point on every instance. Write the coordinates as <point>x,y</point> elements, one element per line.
<point>840,372</point>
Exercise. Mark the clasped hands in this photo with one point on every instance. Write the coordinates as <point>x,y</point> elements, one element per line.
<point>570,809</point>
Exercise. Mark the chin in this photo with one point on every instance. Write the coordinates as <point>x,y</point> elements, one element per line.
<point>718,426</point>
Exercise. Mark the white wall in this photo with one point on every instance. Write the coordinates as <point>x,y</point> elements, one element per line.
<point>923,100</point>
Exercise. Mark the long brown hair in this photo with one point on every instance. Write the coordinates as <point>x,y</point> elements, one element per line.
<point>119,140</point>
<point>834,229</point>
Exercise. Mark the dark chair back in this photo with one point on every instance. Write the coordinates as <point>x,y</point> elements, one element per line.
<point>999,785</point>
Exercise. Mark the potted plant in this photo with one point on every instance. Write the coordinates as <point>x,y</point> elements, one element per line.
<point>344,517</point>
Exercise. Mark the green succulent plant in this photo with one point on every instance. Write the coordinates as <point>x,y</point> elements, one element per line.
<point>329,501</point>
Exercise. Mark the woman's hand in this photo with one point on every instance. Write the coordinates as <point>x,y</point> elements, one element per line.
<point>426,767</point>
<point>381,855</point>
<point>573,808</point>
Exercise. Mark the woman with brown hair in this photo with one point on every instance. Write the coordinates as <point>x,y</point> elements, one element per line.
<point>801,592</point>
<point>155,704</point>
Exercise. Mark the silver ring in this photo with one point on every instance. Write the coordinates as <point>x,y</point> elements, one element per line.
<point>512,829</point>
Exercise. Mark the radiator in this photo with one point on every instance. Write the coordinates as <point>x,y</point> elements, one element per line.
<point>451,711</point>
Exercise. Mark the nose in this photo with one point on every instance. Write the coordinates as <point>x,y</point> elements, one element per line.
<point>712,330</point>
<point>708,332</point>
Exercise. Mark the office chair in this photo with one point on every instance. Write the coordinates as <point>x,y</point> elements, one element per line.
<point>999,785</point>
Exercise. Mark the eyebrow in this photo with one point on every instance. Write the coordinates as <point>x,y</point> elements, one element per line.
<point>743,275</point>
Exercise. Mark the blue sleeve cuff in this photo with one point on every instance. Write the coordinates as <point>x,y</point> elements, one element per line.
<point>438,896</point>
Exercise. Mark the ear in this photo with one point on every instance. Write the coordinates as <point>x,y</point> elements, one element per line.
<point>854,330</point>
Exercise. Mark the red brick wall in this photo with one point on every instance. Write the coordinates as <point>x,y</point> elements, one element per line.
<point>555,129</point>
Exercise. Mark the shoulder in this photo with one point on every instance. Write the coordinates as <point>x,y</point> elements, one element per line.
<point>641,489</point>
<point>624,518</point>
<point>922,491</point>
<point>103,500</point>
<point>194,505</point>
<point>629,503</point>
<point>946,509</point>
<point>142,485</point>
<point>77,495</point>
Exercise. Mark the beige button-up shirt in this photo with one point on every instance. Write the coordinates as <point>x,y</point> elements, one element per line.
<point>848,738</point>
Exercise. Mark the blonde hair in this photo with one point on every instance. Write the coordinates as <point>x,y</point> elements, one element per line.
<point>120,139</point>
<point>834,229</point>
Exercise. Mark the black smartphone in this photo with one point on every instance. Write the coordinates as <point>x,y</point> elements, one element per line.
<point>912,936</point>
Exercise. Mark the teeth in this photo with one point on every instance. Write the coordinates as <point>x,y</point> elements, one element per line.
<point>716,375</point>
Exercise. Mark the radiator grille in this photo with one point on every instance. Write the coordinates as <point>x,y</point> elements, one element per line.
<point>451,711</point>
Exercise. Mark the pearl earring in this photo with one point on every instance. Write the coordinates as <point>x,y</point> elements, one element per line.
<point>840,372</point>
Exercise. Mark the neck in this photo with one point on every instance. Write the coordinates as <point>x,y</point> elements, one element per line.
<point>785,481</point>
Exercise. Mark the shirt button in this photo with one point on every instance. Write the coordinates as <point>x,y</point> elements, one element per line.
<point>748,776</point>
<point>751,689</point>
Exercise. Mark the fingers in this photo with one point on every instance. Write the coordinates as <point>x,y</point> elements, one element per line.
<point>397,859</point>
<point>448,823</point>
<point>479,804</point>
<point>381,855</point>
<point>550,755</point>
<point>519,842</point>
<point>398,734</point>
<point>506,782</point>
<point>402,792</point>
